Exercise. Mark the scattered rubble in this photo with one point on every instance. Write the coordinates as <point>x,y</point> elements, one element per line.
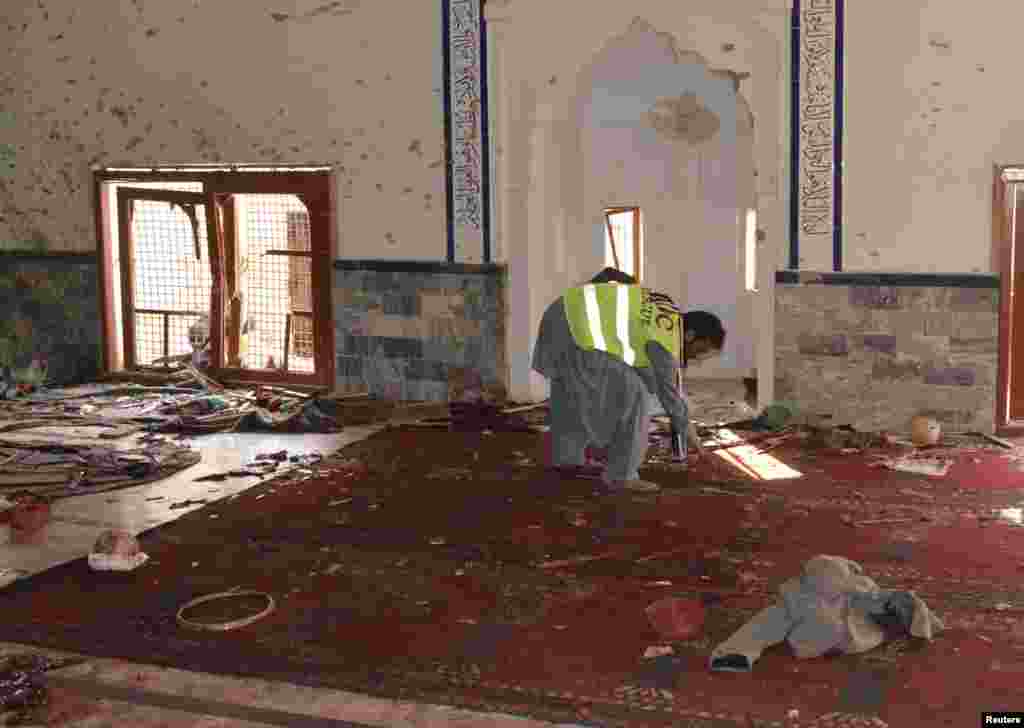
<point>930,466</point>
<point>116,551</point>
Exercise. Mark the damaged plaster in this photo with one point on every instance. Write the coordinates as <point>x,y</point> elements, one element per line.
<point>684,118</point>
<point>82,100</point>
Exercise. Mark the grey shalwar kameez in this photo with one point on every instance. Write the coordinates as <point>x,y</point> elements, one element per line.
<point>597,399</point>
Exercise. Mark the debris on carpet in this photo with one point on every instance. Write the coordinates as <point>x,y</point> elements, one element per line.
<point>71,441</point>
<point>930,466</point>
<point>116,551</point>
<point>443,561</point>
<point>23,690</point>
<point>193,404</point>
<point>58,468</point>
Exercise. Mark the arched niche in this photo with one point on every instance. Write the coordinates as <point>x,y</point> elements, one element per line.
<point>544,203</point>
<point>653,126</point>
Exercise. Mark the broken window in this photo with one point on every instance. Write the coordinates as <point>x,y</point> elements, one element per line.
<point>623,237</point>
<point>229,268</point>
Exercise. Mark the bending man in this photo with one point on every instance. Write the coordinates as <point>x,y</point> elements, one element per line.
<point>604,346</point>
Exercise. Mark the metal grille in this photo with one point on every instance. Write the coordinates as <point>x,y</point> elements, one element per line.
<point>275,255</point>
<point>171,286</point>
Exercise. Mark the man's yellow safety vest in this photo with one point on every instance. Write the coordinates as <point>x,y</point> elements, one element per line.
<point>620,319</point>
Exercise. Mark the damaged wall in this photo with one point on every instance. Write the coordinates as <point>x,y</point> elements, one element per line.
<point>134,82</point>
<point>928,114</point>
<point>873,353</point>
<point>537,70</point>
<point>658,129</point>
<point>402,327</point>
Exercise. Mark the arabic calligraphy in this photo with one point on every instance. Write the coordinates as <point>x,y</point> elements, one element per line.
<point>465,86</point>
<point>817,117</point>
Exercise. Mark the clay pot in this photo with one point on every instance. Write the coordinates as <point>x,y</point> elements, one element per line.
<point>676,619</point>
<point>924,431</point>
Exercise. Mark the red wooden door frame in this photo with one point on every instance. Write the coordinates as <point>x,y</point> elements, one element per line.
<point>1004,194</point>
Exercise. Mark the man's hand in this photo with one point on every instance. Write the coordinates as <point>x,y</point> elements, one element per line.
<point>697,444</point>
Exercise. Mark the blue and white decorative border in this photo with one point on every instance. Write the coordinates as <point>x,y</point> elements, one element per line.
<point>466,129</point>
<point>816,211</point>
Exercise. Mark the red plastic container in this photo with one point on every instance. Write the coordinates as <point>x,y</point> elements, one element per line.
<point>677,619</point>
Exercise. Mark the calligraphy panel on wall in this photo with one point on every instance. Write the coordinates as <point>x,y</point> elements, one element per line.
<point>466,130</point>
<point>817,135</point>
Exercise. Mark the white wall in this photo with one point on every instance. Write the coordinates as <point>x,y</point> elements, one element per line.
<point>356,84</point>
<point>931,104</point>
<point>689,192</point>
<point>539,189</point>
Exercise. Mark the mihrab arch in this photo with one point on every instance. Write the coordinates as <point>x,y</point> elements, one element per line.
<point>540,54</point>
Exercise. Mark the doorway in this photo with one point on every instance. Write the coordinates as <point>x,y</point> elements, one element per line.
<point>1008,259</point>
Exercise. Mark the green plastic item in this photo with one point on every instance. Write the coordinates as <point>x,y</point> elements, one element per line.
<point>776,416</point>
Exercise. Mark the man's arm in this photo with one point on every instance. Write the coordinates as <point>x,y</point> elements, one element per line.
<point>551,340</point>
<point>663,369</point>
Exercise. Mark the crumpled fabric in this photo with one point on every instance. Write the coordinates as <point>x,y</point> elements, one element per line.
<point>831,608</point>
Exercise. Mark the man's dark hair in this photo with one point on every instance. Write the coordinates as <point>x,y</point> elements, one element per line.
<point>705,325</point>
<point>611,275</point>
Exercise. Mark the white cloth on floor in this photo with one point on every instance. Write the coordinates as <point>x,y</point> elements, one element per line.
<point>831,607</point>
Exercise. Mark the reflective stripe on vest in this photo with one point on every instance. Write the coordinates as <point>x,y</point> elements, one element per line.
<point>596,324</point>
<point>605,317</point>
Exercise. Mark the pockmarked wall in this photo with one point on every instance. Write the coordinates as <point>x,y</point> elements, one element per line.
<point>351,83</point>
<point>929,111</point>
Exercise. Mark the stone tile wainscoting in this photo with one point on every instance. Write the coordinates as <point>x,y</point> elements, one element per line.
<point>403,327</point>
<point>50,312</point>
<point>873,350</point>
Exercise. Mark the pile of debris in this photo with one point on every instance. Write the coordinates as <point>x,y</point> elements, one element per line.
<point>24,696</point>
<point>55,470</point>
<point>196,404</point>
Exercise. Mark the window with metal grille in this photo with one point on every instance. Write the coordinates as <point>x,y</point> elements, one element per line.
<point>242,253</point>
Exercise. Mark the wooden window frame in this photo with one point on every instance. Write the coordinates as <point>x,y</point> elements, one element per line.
<point>316,187</point>
<point>618,210</point>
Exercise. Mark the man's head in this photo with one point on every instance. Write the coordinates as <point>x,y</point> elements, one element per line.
<point>704,336</point>
<point>611,275</point>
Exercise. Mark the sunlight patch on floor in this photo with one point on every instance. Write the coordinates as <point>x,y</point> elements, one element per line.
<point>1014,516</point>
<point>750,460</point>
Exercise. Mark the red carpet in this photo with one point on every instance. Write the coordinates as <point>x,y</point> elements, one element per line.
<point>398,583</point>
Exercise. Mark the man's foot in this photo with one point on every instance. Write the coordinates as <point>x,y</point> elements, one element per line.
<point>635,485</point>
